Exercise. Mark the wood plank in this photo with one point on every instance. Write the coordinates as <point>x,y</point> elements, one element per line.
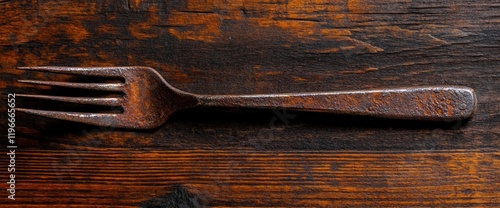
<point>260,178</point>
<point>252,158</point>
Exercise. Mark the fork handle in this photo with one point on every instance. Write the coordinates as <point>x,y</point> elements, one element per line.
<point>434,103</point>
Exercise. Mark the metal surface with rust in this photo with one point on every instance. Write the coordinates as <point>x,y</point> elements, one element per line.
<point>437,103</point>
<point>149,100</point>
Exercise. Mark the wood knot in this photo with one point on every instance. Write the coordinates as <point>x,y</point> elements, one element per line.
<point>178,197</point>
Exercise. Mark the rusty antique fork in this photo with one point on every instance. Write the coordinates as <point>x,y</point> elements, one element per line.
<point>149,100</point>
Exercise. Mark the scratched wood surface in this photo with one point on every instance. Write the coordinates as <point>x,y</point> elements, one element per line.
<point>257,158</point>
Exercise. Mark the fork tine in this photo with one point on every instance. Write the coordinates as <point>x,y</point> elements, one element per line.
<point>100,119</point>
<point>86,71</point>
<point>80,100</point>
<point>89,86</point>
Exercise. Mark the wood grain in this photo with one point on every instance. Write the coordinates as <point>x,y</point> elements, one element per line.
<point>257,158</point>
<point>279,178</point>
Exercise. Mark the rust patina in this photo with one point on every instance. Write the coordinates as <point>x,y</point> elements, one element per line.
<point>149,100</point>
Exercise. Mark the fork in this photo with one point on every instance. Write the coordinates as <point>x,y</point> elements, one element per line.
<point>148,100</point>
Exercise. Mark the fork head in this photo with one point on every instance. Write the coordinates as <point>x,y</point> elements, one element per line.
<point>147,102</point>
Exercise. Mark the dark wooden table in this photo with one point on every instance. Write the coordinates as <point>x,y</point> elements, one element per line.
<point>256,158</point>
